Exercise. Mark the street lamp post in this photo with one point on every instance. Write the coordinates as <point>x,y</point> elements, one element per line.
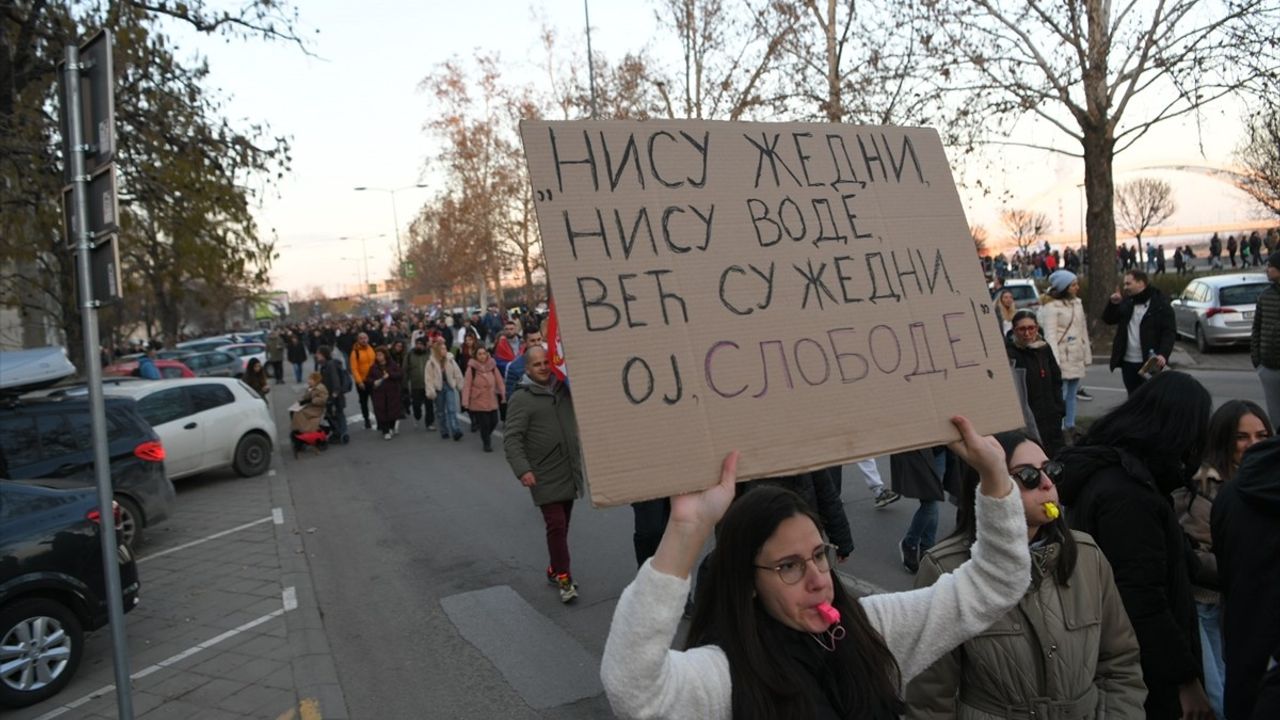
<point>364,255</point>
<point>394,217</point>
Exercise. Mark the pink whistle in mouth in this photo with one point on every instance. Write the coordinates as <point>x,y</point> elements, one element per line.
<point>829,614</point>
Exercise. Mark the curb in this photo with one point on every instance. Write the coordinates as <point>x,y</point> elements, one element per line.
<point>315,675</point>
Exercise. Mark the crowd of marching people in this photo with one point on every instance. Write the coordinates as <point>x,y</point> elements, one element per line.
<point>1128,569</point>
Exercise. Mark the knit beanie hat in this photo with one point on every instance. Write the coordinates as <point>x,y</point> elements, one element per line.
<point>1060,280</point>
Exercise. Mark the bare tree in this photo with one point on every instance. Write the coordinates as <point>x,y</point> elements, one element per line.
<point>1102,75</point>
<point>859,61</point>
<point>980,237</point>
<point>1026,228</point>
<point>729,51</point>
<point>1260,157</point>
<point>1141,204</point>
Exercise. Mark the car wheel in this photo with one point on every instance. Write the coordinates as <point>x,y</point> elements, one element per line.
<point>40,647</point>
<point>253,455</point>
<point>130,530</point>
<point>1202,342</point>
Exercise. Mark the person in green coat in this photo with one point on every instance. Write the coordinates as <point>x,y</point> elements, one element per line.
<point>415,380</point>
<point>540,439</point>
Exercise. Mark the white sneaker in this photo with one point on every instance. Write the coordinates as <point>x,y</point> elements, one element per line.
<point>386,436</point>
<point>395,428</point>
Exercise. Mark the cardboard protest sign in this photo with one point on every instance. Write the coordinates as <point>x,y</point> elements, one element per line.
<point>805,293</point>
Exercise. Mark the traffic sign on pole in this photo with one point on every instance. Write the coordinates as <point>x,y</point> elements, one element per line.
<point>104,270</point>
<point>97,106</point>
<point>104,209</point>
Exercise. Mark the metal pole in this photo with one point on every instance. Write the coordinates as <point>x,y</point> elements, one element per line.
<point>97,409</point>
<point>591,66</point>
<point>399,254</point>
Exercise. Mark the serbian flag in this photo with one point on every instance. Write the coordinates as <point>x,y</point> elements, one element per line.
<point>556,347</point>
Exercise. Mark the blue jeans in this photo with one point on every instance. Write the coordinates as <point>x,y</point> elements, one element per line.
<point>297,372</point>
<point>447,412</point>
<point>923,529</point>
<point>1069,388</point>
<point>1215,667</point>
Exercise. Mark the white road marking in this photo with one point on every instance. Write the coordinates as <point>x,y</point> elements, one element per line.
<point>68,707</point>
<point>290,598</point>
<point>277,516</point>
<point>271,473</point>
<point>205,539</point>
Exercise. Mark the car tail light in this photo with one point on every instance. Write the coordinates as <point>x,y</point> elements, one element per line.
<point>151,451</point>
<point>96,516</point>
<point>1218,311</point>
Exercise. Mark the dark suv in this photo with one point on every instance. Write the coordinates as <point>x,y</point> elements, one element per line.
<point>50,438</point>
<point>52,589</point>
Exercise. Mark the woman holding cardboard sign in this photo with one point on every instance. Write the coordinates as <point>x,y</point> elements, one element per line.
<point>776,634</point>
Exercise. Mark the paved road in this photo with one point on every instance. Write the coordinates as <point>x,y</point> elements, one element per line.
<point>427,558</point>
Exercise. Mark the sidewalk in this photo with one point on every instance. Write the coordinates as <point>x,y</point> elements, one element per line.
<point>228,627</point>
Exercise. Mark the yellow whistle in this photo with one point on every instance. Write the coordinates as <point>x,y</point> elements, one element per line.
<point>1051,510</point>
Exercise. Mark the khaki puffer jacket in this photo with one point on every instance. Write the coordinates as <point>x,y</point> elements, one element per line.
<point>1194,505</point>
<point>1064,653</point>
<point>1066,330</point>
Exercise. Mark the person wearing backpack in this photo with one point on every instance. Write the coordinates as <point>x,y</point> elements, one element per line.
<point>338,382</point>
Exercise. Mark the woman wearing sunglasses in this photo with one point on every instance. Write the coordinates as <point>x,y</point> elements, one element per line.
<point>775,634</point>
<point>1067,650</point>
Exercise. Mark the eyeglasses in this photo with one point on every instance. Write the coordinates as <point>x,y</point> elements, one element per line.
<point>1029,475</point>
<point>791,570</point>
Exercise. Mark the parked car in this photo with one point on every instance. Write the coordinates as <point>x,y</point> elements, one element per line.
<point>205,344</point>
<point>167,368</point>
<point>52,586</point>
<point>51,438</point>
<point>214,363</point>
<point>1218,310</point>
<point>205,424</point>
<point>1025,293</point>
<point>246,352</point>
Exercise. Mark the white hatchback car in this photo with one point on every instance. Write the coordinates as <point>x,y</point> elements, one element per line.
<point>205,423</point>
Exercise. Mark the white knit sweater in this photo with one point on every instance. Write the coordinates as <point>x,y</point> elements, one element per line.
<point>644,678</point>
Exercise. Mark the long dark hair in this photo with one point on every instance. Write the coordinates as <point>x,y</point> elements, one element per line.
<point>766,683</point>
<point>1056,531</point>
<point>1220,449</point>
<point>1168,414</point>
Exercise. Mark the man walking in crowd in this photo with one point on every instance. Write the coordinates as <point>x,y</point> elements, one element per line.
<point>415,379</point>
<point>362,359</point>
<point>1264,341</point>
<point>275,355</point>
<point>330,369</point>
<point>491,324</point>
<point>540,439</point>
<point>1231,249</point>
<point>1146,328</point>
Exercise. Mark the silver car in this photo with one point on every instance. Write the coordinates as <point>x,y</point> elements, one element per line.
<point>1218,310</point>
<point>214,364</point>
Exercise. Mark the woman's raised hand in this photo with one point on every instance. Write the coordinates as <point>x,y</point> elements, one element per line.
<point>985,455</point>
<point>693,517</point>
<point>706,507</point>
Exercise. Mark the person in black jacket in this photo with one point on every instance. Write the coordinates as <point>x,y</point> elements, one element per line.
<point>1245,516</point>
<point>1043,378</point>
<point>1116,487</point>
<point>1146,327</point>
<point>330,369</point>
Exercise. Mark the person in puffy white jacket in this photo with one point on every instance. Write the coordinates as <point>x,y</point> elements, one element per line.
<point>1066,330</point>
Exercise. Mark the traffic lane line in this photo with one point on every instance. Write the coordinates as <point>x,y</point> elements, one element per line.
<point>172,660</point>
<point>207,538</point>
